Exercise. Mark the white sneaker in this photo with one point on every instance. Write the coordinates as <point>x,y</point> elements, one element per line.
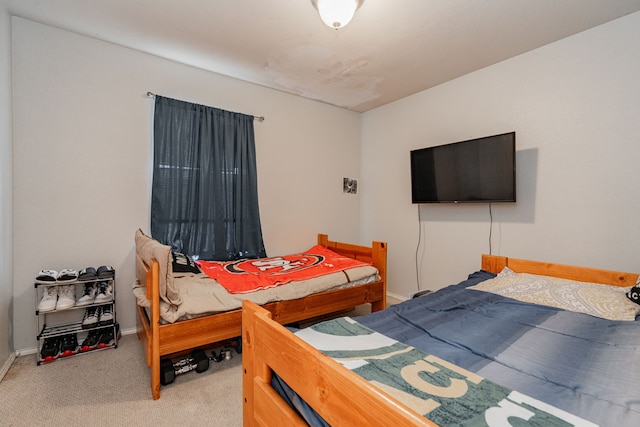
<point>49,299</point>
<point>66,297</point>
<point>89,294</point>
<point>105,292</point>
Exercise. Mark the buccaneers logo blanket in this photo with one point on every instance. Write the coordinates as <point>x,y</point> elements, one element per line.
<point>250,275</point>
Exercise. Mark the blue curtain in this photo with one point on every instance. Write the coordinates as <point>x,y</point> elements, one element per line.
<point>204,198</point>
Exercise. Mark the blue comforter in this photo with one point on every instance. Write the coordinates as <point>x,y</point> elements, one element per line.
<point>581,364</point>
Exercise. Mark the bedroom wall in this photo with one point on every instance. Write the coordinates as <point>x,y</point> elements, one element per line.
<point>6,194</point>
<point>574,105</point>
<point>82,138</point>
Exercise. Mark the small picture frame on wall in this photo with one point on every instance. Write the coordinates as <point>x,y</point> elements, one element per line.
<point>349,186</point>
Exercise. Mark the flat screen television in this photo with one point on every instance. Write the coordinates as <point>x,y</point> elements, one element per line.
<point>481,170</point>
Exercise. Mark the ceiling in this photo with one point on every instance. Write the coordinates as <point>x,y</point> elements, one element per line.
<point>390,50</point>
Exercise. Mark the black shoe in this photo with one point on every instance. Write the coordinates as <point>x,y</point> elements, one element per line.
<point>91,316</point>
<point>106,339</point>
<point>106,272</point>
<point>91,341</point>
<point>50,349</point>
<point>68,345</point>
<point>106,315</point>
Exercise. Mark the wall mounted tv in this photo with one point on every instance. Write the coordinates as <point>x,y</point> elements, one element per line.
<point>481,170</point>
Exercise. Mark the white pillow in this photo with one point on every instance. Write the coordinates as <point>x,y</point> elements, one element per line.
<point>605,301</point>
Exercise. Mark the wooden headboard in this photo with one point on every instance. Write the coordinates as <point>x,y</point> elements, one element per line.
<point>495,264</point>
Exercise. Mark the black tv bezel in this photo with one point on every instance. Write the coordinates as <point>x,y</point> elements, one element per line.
<point>477,140</point>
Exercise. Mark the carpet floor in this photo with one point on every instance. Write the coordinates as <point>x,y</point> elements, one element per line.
<point>111,387</point>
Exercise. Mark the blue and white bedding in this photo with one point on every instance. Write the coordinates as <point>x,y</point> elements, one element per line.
<point>578,363</point>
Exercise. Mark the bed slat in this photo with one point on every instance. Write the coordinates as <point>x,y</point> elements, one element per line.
<point>271,409</point>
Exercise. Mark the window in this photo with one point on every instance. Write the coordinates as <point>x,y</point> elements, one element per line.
<point>204,198</point>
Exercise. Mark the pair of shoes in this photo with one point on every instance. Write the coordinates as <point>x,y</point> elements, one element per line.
<point>103,272</point>
<point>98,338</point>
<point>105,292</point>
<point>89,295</point>
<point>67,275</point>
<point>57,298</point>
<point>97,316</point>
<point>59,346</point>
<point>95,293</point>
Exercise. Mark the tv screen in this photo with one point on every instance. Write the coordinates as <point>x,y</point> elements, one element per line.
<point>479,170</point>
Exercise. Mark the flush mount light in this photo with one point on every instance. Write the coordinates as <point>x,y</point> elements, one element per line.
<point>336,13</point>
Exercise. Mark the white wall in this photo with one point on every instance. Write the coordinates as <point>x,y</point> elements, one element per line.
<point>82,144</point>
<point>6,192</point>
<point>575,107</point>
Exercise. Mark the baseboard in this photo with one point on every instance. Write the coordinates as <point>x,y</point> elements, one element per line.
<point>130,331</point>
<point>7,365</point>
<point>27,351</point>
<point>394,298</point>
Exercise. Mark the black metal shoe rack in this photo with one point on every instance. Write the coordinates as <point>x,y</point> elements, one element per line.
<point>61,332</point>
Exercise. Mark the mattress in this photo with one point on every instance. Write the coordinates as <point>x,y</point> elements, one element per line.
<point>201,295</point>
<point>581,364</point>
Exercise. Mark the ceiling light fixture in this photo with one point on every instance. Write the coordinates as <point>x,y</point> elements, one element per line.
<point>336,13</point>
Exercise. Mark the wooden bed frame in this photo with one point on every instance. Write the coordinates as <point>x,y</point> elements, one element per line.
<point>340,396</point>
<point>166,339</point>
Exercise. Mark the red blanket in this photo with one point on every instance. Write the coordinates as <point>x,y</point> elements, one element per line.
<point>250,275</point>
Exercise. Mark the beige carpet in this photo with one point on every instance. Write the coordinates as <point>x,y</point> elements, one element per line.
<point>111,387</point>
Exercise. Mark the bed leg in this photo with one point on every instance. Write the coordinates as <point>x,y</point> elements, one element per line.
<point>379,305</point>
<point>154,325</point>
<point>251,365</point>
<point>155,380</point>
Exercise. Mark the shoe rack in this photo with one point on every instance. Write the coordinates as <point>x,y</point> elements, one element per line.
<point>79,317</point>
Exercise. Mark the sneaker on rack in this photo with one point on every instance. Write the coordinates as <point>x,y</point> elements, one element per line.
<point>89,294</point>
<point>68,345</point>
<point>106,339</point>
<point>50,349</point>
<point>106,315</point>
<point>66,297</point>
<point>92,340</point>
<point>91,316</point>
<point>105,292</point>
<point>49,299</point>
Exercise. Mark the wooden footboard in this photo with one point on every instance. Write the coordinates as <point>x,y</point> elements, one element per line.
<point>340,396</point>
<point>165,339</point>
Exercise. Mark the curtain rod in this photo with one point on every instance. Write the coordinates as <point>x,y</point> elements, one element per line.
<point>258,118</point>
